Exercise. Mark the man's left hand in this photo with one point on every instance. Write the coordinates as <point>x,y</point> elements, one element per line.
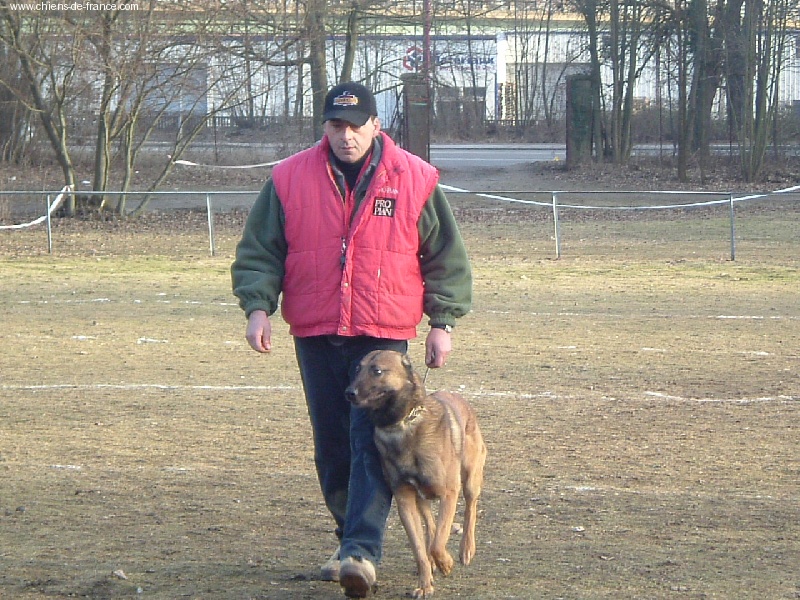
<point>438,346</point>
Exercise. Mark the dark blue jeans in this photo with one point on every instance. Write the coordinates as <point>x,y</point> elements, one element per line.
<point>347,461</point>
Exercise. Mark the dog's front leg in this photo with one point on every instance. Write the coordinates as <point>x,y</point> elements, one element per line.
<point>424,507</point>
<point>447,512</point>
<point>406,498</point>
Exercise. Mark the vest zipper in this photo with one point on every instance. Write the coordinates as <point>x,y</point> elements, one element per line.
<point>349,215</point>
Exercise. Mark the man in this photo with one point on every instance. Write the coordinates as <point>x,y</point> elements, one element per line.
<point>357,236</point>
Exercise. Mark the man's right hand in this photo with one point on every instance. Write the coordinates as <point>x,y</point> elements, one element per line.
<point>259,331</point>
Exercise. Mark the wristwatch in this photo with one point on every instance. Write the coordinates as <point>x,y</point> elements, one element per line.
<point>447,328</point>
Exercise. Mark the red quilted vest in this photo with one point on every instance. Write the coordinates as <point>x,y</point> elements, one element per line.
<point>359,277</point>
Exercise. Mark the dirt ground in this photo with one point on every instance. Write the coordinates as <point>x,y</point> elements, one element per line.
<point>640,399</point>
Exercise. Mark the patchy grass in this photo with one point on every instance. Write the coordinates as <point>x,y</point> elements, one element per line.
<point>640,400</point>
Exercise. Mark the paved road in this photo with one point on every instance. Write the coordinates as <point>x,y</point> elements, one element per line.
<point>444,156</point>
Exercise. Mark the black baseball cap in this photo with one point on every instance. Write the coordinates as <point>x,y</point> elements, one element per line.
<point>351,102</point>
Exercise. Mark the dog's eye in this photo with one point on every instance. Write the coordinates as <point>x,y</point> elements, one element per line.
<point>377,371</point>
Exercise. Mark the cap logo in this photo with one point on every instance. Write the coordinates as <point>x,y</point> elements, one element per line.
<point>346,99</point>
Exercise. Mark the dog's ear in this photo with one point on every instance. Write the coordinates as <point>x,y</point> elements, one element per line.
<point>412,377</point>
<point>406,362</point>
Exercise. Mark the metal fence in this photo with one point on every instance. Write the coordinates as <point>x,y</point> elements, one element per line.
<point>556,202</point>
<point>54,199</point>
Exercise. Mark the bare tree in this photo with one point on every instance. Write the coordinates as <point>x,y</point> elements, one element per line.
<point>637,32</point>
<point>469,12</point>
<point>123,67</point>
<point>174,72</point>
<point>765,25</point>
<point>740,42</point>
<point>15,114</point>
<point>48,77</point>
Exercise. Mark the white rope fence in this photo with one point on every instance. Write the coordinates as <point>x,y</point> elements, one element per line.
<point>496,196</point>
<point>188,163</point>
<point>51,208</point>
<point>556,206</point>
<point>505,196</point>
<point>65,191</point>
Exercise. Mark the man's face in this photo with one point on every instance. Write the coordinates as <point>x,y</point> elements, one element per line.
<point>350,143</point>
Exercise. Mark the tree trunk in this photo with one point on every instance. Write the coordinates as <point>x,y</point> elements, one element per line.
<point>315,30</point>
<point>102,152</point>
<point>735,48</point>
<point>351,41</point>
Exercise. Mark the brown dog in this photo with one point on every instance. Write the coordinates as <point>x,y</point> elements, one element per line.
<point>430,447</point>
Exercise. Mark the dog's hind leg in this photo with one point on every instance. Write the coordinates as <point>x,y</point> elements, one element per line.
<point>407,508</point>
<point>473,481</point>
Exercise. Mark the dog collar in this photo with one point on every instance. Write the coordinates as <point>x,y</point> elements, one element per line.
<point>414,414</point>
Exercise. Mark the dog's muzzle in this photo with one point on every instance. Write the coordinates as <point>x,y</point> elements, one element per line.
<point>350,394</point>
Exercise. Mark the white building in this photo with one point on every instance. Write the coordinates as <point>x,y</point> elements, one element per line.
<point>508,75</point>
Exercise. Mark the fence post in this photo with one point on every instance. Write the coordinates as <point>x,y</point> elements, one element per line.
<point>556,225</point>
<point>49,228</point>
<point>210,225</point>
<point>733,229</point>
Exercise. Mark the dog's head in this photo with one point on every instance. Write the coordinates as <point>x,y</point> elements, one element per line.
<point>387,386</point>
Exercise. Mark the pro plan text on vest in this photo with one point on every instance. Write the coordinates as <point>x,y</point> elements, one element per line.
<point>384,207</point>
